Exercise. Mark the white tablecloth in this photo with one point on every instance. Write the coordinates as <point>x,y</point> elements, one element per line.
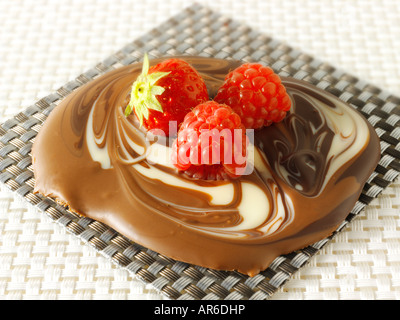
<point>45,43</point>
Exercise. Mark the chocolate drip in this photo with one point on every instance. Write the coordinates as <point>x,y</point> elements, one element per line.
<point>309,171</point>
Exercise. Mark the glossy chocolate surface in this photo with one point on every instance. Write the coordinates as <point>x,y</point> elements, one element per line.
<point>309,171</point>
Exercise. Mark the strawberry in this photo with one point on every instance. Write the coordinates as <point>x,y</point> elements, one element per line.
<point>211,143</point>
<point>256,94</point>
<point>165,93</point>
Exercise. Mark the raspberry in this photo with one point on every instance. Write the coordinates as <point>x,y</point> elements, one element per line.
<point>256,94</point>
<point>211,143</point>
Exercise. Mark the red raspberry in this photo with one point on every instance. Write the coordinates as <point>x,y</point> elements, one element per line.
<point>256,94</point>
<point>211,143</point>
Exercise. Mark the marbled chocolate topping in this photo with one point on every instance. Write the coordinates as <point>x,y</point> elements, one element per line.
<point>309,171</point>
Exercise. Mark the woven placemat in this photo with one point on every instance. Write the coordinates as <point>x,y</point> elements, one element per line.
<point>200,31</point>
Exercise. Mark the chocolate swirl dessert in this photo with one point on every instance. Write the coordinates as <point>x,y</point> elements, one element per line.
<point>309,171</point>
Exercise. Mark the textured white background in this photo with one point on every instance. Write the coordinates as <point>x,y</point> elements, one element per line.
<point>45,43</point>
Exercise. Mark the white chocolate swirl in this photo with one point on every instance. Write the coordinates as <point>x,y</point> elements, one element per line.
<point>349,134</point>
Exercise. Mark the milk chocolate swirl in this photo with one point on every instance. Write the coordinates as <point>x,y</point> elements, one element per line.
<point>309,171</point>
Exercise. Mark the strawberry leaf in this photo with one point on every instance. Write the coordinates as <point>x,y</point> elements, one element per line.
<point>144,93</point>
